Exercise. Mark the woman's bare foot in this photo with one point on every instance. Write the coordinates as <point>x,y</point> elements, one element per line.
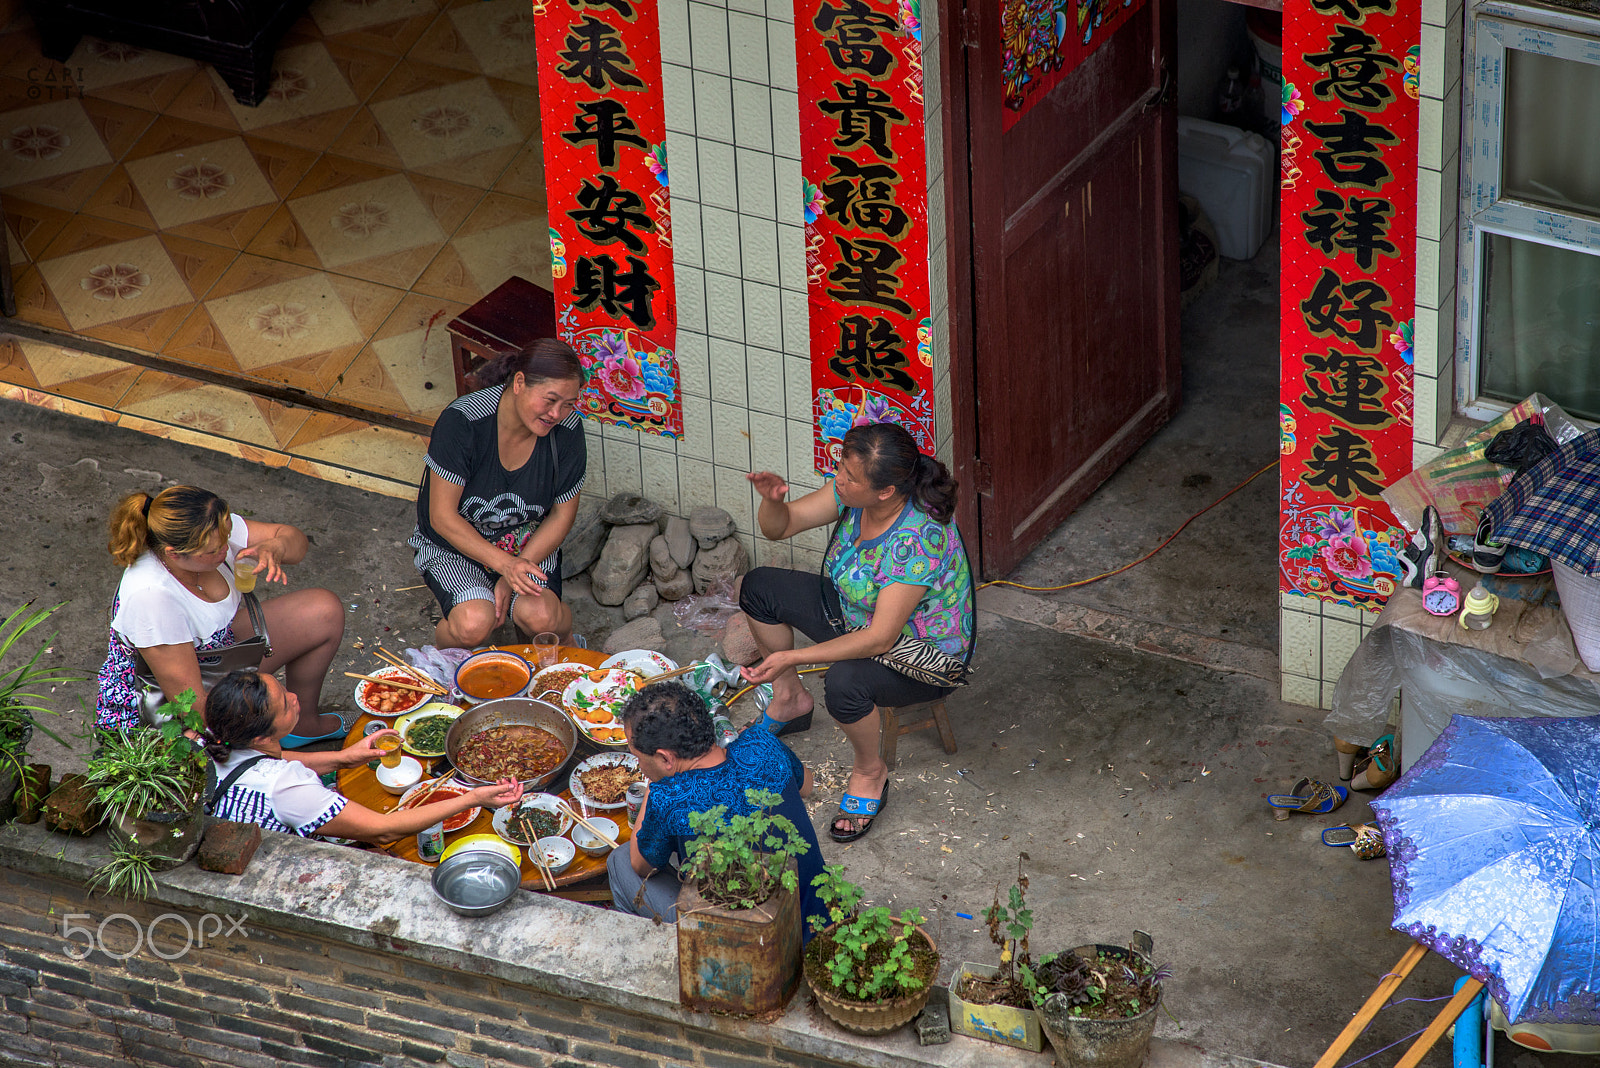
<point>790,702</point>
<point>315,725</point>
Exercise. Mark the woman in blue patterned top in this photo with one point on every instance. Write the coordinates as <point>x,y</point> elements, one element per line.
<point>897,566</point>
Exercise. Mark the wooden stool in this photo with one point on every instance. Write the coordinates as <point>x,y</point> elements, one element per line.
<point>515,315</point>
<point>921,717</point>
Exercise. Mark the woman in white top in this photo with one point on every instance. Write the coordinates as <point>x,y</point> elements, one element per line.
<point>246,719</point>
<point>178,596</point>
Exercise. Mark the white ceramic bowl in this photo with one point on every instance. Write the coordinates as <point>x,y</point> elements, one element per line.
<point>646,662</point>
<point>586,841</point>
<point>558,854</point>
<point>398,780</point>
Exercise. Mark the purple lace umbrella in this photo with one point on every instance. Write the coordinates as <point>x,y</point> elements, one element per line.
<point>1495,858</point>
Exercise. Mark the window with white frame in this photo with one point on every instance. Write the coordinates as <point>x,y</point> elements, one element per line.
<point>1533,205</point>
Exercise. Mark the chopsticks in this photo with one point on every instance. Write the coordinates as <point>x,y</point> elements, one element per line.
<point>577,817</point>
<point>423,679</point>
<point>396,684</point>
<point>674,673</point>
<point>535,850</point>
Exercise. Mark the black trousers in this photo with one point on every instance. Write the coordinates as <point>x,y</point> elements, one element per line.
<point>850,687</point>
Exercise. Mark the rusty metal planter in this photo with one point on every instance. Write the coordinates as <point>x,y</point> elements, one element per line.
<point>1080,1042</point>
<point>743,963</point>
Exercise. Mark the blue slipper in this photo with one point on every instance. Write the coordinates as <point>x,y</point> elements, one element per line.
<point>295,741</point>
<point>859,807</point>
<point>780,727</point>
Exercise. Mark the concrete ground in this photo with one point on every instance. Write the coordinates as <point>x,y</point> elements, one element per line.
<point>1122,735</point>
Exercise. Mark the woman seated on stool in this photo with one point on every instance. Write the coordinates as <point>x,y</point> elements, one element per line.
<point>178,598</point>
<point>897,566</point>
<point>498,495</point>
<point>246,719</point>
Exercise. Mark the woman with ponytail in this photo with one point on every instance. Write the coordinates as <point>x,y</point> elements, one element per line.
<point>247,718</point>
<point>178,598</point>
<point>499,493</point>
<point>896,568</point>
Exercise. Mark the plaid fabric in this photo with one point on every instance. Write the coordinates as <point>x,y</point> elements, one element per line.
<point>1554,507</point>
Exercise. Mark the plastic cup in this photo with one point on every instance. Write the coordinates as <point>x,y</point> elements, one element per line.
<point>548,648</point>
<point>244,576</point>
<point>389,746</point>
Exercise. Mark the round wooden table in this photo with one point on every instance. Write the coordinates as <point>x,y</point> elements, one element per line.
<point>360,784</point>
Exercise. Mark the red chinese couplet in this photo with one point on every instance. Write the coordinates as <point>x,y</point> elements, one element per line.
<point>605,155</point>
<point>1046,39</point>
<point>863,155</point>
<point>1348,277</point>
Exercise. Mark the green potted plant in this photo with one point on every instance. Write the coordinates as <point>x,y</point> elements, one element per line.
<point>24,689</point>
<point>871,971</point>
<point>151,782</point>
<point>1097,1004</point>
<point>739,910</point>
<point>997,1003</point>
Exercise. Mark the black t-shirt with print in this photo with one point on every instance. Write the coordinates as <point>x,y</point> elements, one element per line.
<point>503,506</point>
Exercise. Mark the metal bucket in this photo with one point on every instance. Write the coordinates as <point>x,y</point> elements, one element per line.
<point>745,963</point>
<point>512,712</point>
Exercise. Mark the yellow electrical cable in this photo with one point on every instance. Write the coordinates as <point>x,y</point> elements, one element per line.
<point>1146,556</point>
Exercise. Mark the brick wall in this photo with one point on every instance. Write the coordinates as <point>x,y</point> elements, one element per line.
<point>273,997</point>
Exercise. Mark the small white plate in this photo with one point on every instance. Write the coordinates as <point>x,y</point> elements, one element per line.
<point>506,828</point>
<point>391,674</point>
<point>599,760</point>
<point>646,662</point>
<point>444,793</point>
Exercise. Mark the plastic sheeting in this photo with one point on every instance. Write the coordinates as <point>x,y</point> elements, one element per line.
<point>1523,665</point>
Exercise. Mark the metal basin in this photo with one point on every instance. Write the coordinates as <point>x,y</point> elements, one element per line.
<point>476,882</point>
<point>512,712</point>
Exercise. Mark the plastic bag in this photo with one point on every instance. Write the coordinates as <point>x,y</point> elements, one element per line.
<point>709,612</point>
<point>1460,483</point>
<point>438,664</point>
<point>1522,446</point>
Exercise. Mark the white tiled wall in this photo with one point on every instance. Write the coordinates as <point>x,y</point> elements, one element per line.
<point>733,152</point>
<point>1316,638</point>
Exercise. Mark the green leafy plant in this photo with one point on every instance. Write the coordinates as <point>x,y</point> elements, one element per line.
<point>1106,987</point>
<point>129,872</point>
<point>145,770</point>
<point>26,687</point>
<point>739,862</point>
<point>867,954</point>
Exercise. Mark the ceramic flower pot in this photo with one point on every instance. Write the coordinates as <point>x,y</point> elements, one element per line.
<point>1081,1042</point>
<point>868,1017</point>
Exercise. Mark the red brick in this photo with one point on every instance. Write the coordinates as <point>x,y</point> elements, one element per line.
<point>229,847</point>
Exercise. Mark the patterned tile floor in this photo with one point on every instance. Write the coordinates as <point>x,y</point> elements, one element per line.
<point>316,243</point>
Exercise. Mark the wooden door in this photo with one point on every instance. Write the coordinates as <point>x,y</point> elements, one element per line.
<point>1063,272</point>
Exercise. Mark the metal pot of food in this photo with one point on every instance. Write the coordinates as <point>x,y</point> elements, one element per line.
<point>482,751</point>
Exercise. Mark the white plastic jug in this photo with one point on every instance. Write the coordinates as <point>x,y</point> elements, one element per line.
<point>1230,172</point>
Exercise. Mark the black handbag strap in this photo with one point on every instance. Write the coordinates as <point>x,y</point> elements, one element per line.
<point>227,784</point>
<point>258,619</point>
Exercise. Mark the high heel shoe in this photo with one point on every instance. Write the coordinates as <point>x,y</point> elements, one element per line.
<point>1380,768</point>
<point>1349,754</point>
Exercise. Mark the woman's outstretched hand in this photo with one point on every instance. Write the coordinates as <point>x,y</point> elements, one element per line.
<point>267,557</point>
<point>770,486</point>
<point>499,794</point>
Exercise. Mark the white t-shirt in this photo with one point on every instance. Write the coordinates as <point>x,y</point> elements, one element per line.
<point>278,795</point>
<point>153,608</point>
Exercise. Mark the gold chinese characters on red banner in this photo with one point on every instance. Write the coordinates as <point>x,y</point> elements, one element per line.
<point>864,158</point>
<point>610,216</point>
<point>1348,285</point>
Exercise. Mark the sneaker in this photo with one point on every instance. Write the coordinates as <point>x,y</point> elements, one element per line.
<point>1417,554</point>
<point>1487,553</point>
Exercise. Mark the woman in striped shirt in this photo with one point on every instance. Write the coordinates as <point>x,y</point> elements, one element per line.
<point>247,715</point>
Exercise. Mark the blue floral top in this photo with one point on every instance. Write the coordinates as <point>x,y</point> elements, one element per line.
<point>917,550</point>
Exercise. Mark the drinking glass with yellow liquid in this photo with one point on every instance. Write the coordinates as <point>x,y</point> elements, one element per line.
<point>244,575</point>
<point>389,746</point>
